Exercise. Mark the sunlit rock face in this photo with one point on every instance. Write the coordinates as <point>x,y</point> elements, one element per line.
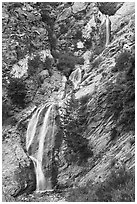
<point>20,69</point>
<point>44,54</point>
<point>79,6</point>
<point>122,15</point>
<point>80,44</point>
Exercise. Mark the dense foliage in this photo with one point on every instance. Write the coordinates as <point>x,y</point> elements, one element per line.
<point>36,65</point>
<point>67,62</point>
<point>74,123</point>
<point>17,92</point>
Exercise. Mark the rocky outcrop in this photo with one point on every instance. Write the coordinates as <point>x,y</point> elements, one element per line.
<point>121,17</point>
<point>18,171</point>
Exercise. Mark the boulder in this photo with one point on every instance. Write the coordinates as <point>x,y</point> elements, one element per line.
<point>44,74</point>
<point>79,6</point>
<point>20,69</point>
<point>80,45</point>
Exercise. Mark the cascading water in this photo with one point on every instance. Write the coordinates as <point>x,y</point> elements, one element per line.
<point>108,30</point>
<point>32,127</point>
<point>40,144</point>
<point>75,77</point>
<point>44,138</point>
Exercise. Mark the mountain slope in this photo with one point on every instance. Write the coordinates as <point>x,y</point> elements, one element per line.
<point>98,149</point>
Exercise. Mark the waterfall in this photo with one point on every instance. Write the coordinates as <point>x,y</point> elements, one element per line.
<point>32,127</point>
<point>104,20</point>
<point>40,144</point>
<point>108,30</point>
<point>75,77</point>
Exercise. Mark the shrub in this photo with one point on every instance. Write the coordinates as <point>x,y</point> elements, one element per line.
<point>88,43</point>
<point>33,65</point>
<point>67,62</point>
<point>78,35</point>
<point>17,91</point>
<point>7,111</point>
<point>36,65</point>
<point>122,61</point>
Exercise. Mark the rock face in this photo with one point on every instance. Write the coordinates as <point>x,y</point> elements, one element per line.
<point>122,16</point>
<point>18,170</point>
<point>99,132</point>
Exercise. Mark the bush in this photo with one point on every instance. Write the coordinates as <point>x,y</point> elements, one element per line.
<point>63,29</point>
<point>67,62</point>
<point>33,65</point>
<point>88,43</point>
<point>119,187</point>
<point>78,35</point>
<point>36,65</point>
<point>122,61</point>
<point>7,111</point>
<point>17,91</point>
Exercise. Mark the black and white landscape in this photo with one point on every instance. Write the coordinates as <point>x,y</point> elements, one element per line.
<point>68,101</point>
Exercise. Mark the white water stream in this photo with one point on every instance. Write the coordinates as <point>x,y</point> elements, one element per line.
<point>37,142</point>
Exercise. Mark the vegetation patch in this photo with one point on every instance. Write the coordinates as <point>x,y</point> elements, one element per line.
<point>17,91</point>
<point>67,62</point>
<point>74,122</point>
<point>119,187</point>
<point>120,96</point>
<point>109,8</point>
